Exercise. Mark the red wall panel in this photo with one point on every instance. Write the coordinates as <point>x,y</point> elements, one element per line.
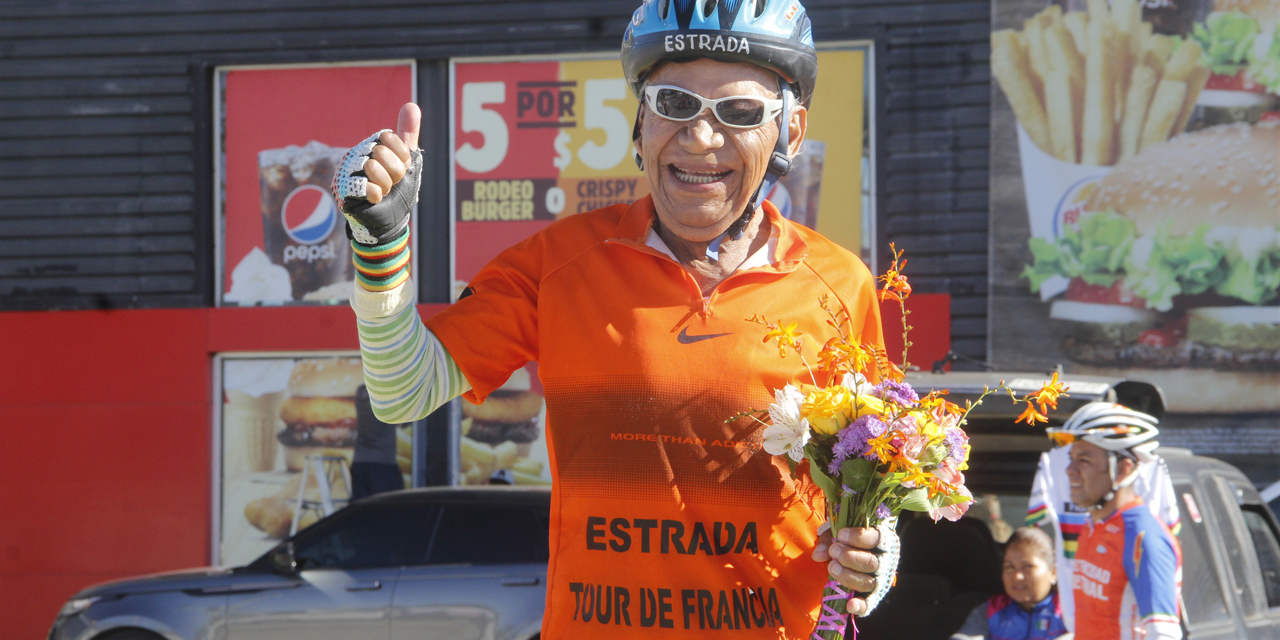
<point>106,431</point>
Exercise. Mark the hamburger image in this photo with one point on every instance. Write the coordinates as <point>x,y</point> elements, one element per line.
<point>1172,271</point>
<point>320,412</point>
<point>1241,42</point>
<point>509,414</point>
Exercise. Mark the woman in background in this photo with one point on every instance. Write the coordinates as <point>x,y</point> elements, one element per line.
<point>1028,609</point>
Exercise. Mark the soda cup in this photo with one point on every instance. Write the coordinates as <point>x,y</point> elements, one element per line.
<point>302,229</point>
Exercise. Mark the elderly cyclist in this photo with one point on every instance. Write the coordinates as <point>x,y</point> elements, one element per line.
<point>666,520</point>
<point>1127,572</point>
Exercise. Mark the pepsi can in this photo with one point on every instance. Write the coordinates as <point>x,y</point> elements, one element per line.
<point>302,229</point>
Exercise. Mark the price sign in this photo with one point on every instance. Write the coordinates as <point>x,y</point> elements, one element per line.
<point>535,141</point>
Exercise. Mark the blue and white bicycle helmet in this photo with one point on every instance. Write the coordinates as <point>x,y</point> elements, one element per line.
<point>773,34</point>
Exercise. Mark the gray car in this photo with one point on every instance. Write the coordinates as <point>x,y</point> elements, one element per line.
<point>456,563</point>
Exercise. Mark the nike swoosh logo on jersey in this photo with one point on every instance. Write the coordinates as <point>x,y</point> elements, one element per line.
<point>685,338</point>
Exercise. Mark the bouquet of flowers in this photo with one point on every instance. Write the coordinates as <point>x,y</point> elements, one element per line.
<point>873,449</point>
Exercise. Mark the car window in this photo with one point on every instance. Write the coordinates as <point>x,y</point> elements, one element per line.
<point>1267,548</point>
<point>1224,504</point>
<point>366,536</point>
<point>489,534</point>
<point>1201,586</point>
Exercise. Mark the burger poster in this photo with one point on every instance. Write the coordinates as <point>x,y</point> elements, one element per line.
<point>275,413</point>
<point>1135,195</point>
<point>538,140</point>
<point>281,133</point>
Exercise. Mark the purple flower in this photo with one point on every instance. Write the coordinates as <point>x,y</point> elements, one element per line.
<point>899,393</point>
<point>955,440</point>
<point>852,440</point>
<point>882,512</point>
<point>833,468</point>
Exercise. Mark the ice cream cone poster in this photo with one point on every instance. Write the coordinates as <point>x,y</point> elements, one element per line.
<point>281,133</point>
<point>538,140</point>
<point>1135,196</point>
<point>276,414</point>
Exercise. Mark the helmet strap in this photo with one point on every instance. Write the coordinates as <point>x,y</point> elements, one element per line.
<point>635,135</point>
<point>1112,461</point>
<point>779,163</point>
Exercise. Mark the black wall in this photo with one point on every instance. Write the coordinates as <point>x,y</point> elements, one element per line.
<point>105,128</point>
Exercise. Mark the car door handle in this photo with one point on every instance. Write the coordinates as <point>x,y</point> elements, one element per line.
<point>522,582</point>
<point>372,585</point>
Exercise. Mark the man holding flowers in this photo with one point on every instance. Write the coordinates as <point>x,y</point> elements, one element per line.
<point>669,516</point>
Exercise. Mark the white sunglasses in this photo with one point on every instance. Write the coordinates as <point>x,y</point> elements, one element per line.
<point>682,105</point>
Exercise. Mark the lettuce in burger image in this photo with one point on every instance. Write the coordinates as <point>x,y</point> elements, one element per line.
<point>1175,263</point>
<point>1241,43</point>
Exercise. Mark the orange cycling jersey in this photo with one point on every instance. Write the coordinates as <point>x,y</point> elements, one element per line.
<point>668,518</point>
<point>1126,577</point>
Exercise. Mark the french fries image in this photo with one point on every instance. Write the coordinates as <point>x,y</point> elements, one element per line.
<point>273,514</point>
<point>1136,103</point>
<point>1095,87</point>
<point>480,460</point>
<point>1012,69</point>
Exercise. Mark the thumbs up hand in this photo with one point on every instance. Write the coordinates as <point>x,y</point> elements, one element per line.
<point>376,184</point>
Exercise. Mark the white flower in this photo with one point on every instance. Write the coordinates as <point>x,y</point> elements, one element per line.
<point>857,384</point>
<point>789,431</point>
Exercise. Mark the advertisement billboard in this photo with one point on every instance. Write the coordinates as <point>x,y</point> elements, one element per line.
<point>1135,201</point>
<point>536,140</point>
<point>276,412</point>
<point>281,131</point>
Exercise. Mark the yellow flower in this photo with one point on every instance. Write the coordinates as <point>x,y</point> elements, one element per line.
<point>865,406</point>
<point>787,337</point>
<point>928,427</point>
<point>827,409</point>
<point>915,475</point>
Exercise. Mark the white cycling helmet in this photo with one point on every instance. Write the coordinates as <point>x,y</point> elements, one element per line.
<point>1119,430</point>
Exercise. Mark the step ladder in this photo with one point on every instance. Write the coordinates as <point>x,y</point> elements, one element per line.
<point>326,471</point>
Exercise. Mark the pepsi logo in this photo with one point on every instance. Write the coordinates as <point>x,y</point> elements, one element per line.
<point>308,214</point>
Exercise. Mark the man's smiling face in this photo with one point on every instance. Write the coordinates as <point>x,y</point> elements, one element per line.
<point>701,173</point>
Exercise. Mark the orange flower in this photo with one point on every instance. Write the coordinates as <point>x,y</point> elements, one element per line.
<point>896,286</point>
<point>837,356</point>
<point>882,447</point>
<point>787,337</point>
<point>1031,416</point>
<point>1047,396</point>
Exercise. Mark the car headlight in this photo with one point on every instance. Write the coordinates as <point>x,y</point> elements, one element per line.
<point>77,605</point>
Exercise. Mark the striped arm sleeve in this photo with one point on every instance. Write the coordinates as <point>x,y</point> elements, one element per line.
<point>407,370</point>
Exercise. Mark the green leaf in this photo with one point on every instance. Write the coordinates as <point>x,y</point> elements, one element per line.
<point>917,500</point>
<point>1265,67</point>
<point>793,466</point>
<point>824,482</point>
<point>1094,250</point>
<point>1226,37</point>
